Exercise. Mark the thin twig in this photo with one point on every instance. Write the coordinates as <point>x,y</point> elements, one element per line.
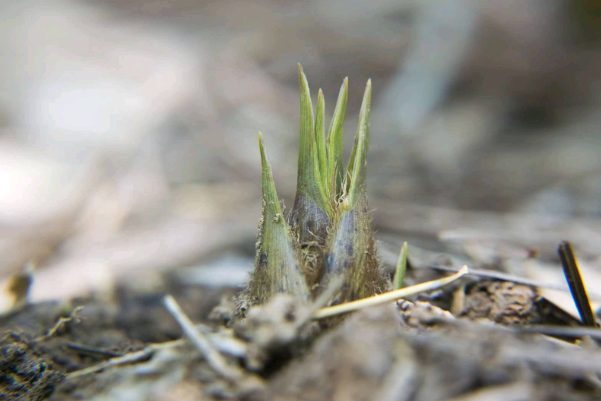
<point>225,341</point>
<point>92,351</point>
<point>212,356</point>
<point>127,358</point>
<point>322,300</point>
<point>514,279</point>
<point>60,323</point>
<point>562,331</point>
<point>388,296</point>
<point>223,344</point>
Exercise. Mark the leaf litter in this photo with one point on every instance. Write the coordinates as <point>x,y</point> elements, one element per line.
<point>405,350</point>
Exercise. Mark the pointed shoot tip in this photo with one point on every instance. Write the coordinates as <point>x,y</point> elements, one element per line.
<point>368,89</point>
<point>301,74</point>
<point>261,148</point>
<point>357,164</point>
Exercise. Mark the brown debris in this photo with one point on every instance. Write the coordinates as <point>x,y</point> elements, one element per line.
<point>277,329</point>
<point>26,372</point>
<point>348,363</point>
<point>500,301</point>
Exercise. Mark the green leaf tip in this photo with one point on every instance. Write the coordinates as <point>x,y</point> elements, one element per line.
<point>357,168</point>
<point>334,148</point>
<point>270,197</point>
<point>309,180</point>
<point>320,140</point>
<point>401,268</point>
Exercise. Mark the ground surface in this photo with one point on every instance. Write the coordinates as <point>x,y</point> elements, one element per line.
<point>410,350</point>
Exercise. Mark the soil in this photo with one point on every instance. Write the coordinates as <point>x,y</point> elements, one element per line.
<point>127,348</point>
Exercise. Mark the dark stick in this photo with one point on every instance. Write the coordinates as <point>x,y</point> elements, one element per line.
<point>94,352</point>
<point>574,278</point>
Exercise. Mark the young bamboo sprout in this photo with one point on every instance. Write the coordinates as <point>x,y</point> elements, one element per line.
<point>277,265</point>
<point>310,215</point>
<point>350,248</point>
<point>327,236</point>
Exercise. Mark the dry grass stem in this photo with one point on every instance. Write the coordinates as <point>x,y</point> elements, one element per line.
<point>388,296</point>
<point>514,279</point>
<point>212,356</point>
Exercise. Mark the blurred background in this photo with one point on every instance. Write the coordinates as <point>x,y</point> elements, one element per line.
<point>128,130</point>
